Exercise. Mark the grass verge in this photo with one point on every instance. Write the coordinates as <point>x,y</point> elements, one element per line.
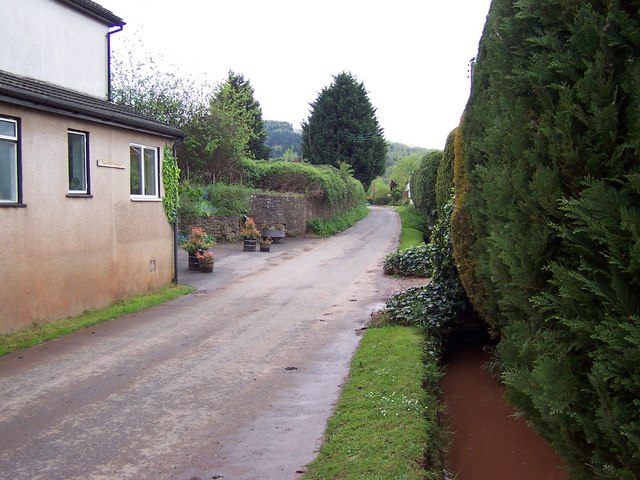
<point>40,333</point>
<point>413,226</point>
<point>385,416</point>
<point>339,223</point>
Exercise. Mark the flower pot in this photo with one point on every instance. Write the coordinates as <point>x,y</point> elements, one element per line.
<point>206,267</point>
<point>194,263</point>
<point>249,244</point>
<point>265,246</point>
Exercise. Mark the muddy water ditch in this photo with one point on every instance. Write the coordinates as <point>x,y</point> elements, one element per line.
<point>488,441</point>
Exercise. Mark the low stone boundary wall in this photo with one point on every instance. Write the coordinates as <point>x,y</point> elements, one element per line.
<point>291,210</point>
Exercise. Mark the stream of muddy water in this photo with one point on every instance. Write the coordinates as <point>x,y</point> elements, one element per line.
<point>489,441</point>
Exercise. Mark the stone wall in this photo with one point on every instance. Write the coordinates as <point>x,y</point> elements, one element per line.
<point>291,210</point>
<point>225,229</point>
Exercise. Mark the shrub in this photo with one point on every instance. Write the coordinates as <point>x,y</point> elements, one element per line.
<point>229,200</point>
<point>444,178</point>
<point>423,185</point>
<point>336,185</point>
<point>410,262</point>
<point>436,307</point>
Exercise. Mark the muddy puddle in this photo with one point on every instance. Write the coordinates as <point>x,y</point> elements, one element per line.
<point>489,442</point>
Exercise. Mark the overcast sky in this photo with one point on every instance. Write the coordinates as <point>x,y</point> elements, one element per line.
<point>411,55</point>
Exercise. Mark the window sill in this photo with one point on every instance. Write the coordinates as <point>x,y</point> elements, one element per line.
<point>13,205</point>
<point>79,195</point>
<point>144,199</point>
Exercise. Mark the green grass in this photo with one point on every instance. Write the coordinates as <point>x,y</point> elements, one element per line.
<point>339,223</point>
<point>39,333</point>
<point>385,417</point>
<point>413,225</point>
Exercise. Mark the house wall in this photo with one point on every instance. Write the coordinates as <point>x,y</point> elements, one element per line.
<point>50,41</point>
<point>62,256</point>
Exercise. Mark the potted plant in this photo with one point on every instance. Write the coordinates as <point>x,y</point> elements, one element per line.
<point>265,244</point>
<point>274,231</point>
<point>198,240</point>
<point>250,233</point>
<point>205,260</point>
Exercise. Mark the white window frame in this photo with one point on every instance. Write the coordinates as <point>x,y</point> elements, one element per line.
<point>86,176</point>
<point>156,177</point>
<point>14,139</point>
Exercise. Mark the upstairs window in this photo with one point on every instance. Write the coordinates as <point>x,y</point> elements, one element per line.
<point>144,171</point>
<point>9,161</point>
<point>78,163</point>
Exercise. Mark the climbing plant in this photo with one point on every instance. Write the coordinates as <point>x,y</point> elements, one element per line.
<point>170,181</point>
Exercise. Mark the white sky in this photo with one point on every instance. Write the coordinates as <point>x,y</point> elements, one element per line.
<point>411,55</point>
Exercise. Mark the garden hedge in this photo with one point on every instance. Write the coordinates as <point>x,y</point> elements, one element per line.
<point>551,142</point>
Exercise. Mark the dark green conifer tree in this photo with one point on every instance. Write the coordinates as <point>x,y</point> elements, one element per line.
<point>343,128</point>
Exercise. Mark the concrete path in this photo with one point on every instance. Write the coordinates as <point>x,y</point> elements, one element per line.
<point>234,381</point>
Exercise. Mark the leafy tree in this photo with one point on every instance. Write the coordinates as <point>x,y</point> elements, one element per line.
<point>343,127</point>
<point>222,124</point>
<point>236,94</point>
<point>149,89</point>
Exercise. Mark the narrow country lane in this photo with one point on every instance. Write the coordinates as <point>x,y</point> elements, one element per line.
<point>235,381</point>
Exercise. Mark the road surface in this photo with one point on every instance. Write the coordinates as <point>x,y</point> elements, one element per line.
<point>234,381</point>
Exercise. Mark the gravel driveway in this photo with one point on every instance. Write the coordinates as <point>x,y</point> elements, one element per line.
<point>234,381</point>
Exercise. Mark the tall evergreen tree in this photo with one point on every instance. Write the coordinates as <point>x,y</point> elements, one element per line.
<point>238,93</point>
<point>343,128</point>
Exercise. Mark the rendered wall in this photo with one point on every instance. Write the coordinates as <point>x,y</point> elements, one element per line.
<point>62,256</point>
<point>50,41</point>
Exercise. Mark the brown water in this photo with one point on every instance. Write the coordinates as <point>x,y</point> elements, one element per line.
<point>489,443</point>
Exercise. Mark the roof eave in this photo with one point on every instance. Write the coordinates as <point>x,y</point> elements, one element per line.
<point>96,11</point>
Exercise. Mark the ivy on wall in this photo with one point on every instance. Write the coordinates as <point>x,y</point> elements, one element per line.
<point>170,181</point>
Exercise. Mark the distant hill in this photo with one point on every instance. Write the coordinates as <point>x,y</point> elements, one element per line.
<point>396,151</point>
<point>281,136</point>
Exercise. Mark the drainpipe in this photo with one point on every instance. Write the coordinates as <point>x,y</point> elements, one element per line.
<point>175,223</point>
<point>109,33</point>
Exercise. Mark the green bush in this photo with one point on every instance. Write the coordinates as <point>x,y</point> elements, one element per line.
<point>229,200</point>
<point>423,185</point>
<point>436,307</point>
<point>323,181</point>
<point>219,199</point>
<point>410,262</point>
<point>444,178</point>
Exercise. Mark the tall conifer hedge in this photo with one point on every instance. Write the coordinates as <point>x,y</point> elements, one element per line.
<point>551,143</point>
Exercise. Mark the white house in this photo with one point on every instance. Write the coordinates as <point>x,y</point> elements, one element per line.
<point>81,217</point>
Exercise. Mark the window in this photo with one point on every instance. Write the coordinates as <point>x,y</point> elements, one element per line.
<point>78,163</point>
<point>144,171</point>
<point>9,161</point>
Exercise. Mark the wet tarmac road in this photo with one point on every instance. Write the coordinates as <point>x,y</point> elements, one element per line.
<point>235,381</point>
